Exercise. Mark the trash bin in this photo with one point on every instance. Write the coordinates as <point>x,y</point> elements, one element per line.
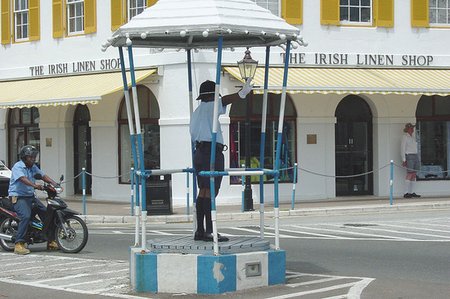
<point>159,195</point>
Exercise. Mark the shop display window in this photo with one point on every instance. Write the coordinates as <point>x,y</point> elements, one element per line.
<point>149,113</point>
<point>433,137</point>
<point>237,137</point>
<point>23,128</point>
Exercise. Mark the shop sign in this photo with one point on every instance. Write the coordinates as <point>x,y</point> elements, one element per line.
<point>74,67</point>
<point>370,60</point>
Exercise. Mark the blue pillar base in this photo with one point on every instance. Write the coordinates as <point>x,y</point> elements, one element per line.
<point>203,273</point>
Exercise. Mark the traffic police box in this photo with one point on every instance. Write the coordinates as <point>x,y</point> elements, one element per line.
<point>159,195</point>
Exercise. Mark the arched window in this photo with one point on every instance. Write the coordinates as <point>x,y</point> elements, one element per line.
<point>237,135</point>
<point>433,134</point>
<point>149,113</point>
<point>23,128</point>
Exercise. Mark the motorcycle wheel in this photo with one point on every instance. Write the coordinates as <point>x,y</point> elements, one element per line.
<point>76,237</point>
<point>8,229</point>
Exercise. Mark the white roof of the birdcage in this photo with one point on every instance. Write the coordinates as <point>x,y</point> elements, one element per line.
<point>198,23</point>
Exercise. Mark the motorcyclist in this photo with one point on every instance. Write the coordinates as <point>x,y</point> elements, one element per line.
<point>21,192</point>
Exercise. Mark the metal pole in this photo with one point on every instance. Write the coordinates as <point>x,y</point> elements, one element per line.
<point>83,186</point>
<point>191,110</point>
<point>213,145</point>
<point>263,143</point>
<point>391,184</point>
<point>243,191</point>
<point>132,191</point>
<point>187,195</point>
<point>294,183</point>
<point>279,140</point>
<point>133,145</point>
<point>137,119</point>
<point>248,194</point>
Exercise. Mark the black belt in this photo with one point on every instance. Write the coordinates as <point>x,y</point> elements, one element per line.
<point>207,144</point>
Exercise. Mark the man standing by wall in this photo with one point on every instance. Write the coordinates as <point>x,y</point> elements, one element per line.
<point>410,159</point>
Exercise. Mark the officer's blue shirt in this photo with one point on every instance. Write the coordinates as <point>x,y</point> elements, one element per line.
<point>16,187</point>
<point>201,125</point>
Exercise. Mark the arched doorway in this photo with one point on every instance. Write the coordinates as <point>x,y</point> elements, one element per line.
<point>82,151</point>
<point>149,113</point>
<point>23,128</point>
<point>354,151</point>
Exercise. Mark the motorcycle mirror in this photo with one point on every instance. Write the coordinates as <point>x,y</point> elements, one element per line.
<point>61,178</point>
<point>38,176</point>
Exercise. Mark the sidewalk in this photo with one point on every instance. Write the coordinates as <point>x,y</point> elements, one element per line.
<point>113,212</point>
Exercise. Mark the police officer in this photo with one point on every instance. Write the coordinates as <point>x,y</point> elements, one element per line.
<point>201,130</point>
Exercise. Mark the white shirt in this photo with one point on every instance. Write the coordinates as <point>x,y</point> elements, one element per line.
<point>202,122</point>
<point>409,145</point>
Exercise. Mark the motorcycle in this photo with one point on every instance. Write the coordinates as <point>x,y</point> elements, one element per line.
<point>71,233</point>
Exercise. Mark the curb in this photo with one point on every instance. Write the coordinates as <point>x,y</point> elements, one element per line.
<point>165,219</point>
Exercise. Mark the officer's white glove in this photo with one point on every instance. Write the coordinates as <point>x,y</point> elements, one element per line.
<point>246,89</point>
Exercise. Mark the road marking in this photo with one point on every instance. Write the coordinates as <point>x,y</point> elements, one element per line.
<point>345,232</point>
<point>401,232</point>
<point>376,229</point>
<point>257,232</point>
<point>419,228</point>
<point>308,233</point>
<point>293,285</point>
<point>356,290</point>
<point>331,288</point>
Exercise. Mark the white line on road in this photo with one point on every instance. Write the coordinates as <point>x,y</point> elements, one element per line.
<point>343,231</point>
<point>356,290</point>
<point>332,288</point>
<point>376,229</point>
<point>294,285</point>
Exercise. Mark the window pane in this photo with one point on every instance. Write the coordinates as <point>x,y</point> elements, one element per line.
<point>433,3</point>
<point>365,14</point>
<point>433,145</point>
<point>354,14</point>
<point>425,106</point>
<point>14,116</point>
<point>16,141</point>
<point>344,14</point>
<point>441,16</point>
<point>365,2</point>
<point>26,116</point>
<point>442,3</point>
<point>35,115</point>
<point>344,2</point>
<point>354,2</point>
<point>433,16</point>
<point>151,146</point>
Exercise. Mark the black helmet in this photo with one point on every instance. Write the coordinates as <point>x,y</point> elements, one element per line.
<point>28,150</point>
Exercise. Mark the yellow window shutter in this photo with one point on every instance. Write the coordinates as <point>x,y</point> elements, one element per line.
<point>419,13</point>
<point>329,12</point>
<point>90,16</point>
<point>385,13</point>
<point>58,22</point>
<point>35,24</point>
<point>6,22</point>
<point>117,14</point>
<point>292,11</point>
<point>151,2</point>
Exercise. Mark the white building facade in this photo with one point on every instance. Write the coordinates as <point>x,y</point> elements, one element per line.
<point>60,92</point>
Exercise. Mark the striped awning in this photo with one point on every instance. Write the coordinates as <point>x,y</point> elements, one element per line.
<point>354,80</point>
<point>64,90</point>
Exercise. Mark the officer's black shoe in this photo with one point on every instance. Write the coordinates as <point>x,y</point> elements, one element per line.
<point>209,238</point>
<point>198,236</point>
<point>415,195</point>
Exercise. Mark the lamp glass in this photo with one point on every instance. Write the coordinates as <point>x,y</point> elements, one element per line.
<point>247,66</point>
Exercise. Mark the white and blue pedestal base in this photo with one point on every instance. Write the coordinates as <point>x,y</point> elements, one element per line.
<point>204,273</point>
